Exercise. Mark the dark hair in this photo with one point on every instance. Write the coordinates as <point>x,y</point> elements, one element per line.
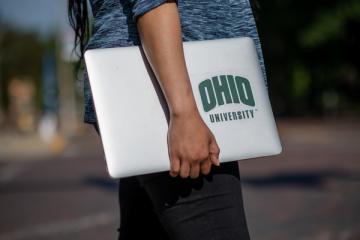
<point>255,5</point>
<point>78,19</point>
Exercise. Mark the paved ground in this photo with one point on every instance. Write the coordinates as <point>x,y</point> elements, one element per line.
<point>309,192</point>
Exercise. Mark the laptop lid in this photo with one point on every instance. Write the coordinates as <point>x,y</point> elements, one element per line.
<point>133,116</point>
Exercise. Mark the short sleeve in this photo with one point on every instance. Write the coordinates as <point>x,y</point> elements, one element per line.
<point>142,6</point>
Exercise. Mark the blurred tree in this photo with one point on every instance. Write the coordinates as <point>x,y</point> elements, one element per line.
<point>310,52</point>
<point>21,56</point>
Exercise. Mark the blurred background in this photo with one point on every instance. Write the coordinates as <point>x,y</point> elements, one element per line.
<point>53,179</point>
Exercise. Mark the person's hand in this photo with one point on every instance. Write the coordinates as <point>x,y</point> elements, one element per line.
<point>192,146</point>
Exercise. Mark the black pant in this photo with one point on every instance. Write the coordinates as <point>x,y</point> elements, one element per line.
<point>158,206</point>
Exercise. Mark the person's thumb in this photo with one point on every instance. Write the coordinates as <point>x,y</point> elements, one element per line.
<point>214,151</point>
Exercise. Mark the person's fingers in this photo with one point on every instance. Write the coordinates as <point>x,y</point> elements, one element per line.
<point>195,170</point>
<point>205,166</point>
<point>214,151</point>
<point>184,169</point>
<point>174,166</point>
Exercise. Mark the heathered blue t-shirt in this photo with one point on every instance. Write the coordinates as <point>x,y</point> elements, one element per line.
<point>114,25</point>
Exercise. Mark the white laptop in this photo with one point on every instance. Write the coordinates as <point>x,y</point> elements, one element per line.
<point>132,113</point>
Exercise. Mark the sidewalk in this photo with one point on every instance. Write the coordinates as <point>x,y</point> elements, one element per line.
<point>21,147</point>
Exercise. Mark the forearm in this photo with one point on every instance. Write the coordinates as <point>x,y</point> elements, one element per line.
<point>161,39</point>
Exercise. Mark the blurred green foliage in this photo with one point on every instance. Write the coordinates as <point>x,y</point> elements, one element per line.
<point>330,24</point>
<point>311,50</point>
<point>20,57</point>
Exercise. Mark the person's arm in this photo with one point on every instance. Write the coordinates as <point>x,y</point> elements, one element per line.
<point>161,39</point>
<point>192,146</point>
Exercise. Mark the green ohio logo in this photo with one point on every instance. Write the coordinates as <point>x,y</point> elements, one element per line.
<point>225,89</point>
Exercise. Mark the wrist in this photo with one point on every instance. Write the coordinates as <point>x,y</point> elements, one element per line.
<point>184,109</point>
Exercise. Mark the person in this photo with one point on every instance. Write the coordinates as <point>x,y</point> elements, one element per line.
<point>199,198</point>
